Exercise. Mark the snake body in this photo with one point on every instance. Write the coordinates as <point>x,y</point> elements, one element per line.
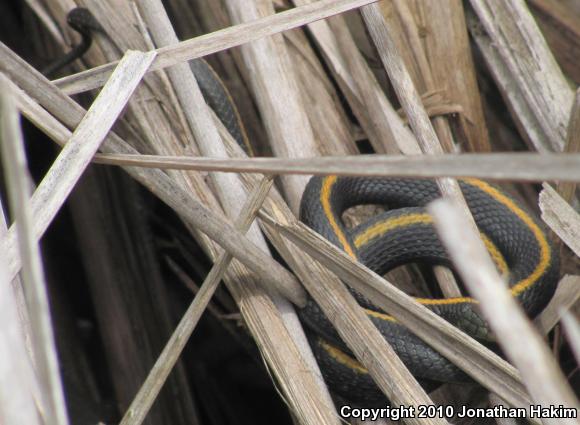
<point>403,234</point>
<point>219,99</point>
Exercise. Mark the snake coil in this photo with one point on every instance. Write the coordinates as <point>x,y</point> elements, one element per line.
<point>404,234</point>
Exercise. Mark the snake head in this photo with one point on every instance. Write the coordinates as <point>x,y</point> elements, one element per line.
<point>82,20</point>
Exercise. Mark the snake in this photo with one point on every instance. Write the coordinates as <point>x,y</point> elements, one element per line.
<point>518,244</point>
<point>82,21</point>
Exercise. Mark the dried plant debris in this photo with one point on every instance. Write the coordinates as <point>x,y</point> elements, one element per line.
<point>296,151</point>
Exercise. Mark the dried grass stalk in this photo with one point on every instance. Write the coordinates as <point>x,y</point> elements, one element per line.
<point>524,167</point>
<point>521,343</point>
<point>333,130</point>
<point>561,217</point>
<point>50,397</point>
<point>18,400</point>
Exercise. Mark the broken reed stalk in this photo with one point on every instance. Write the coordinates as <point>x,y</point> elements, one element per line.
<point>144,399</point>
<point>425,77</point>
<point>376,115</point>
<point>18,294</point>
<point>45,203</point>
<point>218,41</point>
<point>561,217</point>
<point>521,343</point>
<point>18,183</point>
<point>402,83</point>
<point>16,283</point>
<point>326,114</point>
<point>379,120</point>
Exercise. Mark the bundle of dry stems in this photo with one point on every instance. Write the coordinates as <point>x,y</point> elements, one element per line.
<point>432,88</point>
